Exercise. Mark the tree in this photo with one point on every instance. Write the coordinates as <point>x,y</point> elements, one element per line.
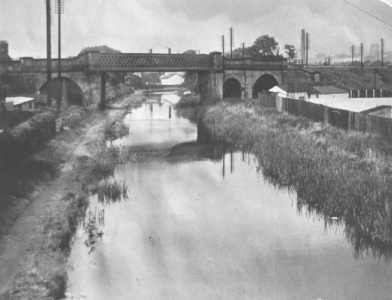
<point>290,51</point>
<point>189,52</point>
<point>266,45</point>
<point>102,49</point>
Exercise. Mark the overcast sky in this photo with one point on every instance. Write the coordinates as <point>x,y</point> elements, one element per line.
<point>140,25</point>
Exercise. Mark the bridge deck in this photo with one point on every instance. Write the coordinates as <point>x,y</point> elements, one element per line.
<point>154,62</point>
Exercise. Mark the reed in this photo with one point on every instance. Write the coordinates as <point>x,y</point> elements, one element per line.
<point>110,192</point>
<point>335,173</point>
<point>115,129</point>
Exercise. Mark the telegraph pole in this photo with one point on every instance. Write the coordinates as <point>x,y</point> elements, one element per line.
<point>223,65</point>
<point>59,9</point>
<point>48,49</point>
<point>361,56</point>
<point>352,56</point>
<point>382,53</point>
<point>231,42</point>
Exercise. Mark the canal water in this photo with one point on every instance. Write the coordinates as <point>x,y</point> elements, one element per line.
<point>200,222</point>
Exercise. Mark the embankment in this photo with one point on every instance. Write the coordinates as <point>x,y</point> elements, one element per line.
<point>42,273</point>
<point>354,78</point>
<point>336,174</point>
<point>25,138</point>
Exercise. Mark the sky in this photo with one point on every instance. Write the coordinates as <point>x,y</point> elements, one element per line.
<point>140,25</point>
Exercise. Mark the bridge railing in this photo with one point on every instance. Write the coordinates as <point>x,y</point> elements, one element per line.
<point>154,62</point>
<point>254,64</point>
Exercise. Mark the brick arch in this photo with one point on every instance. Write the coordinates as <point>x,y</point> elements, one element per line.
<point>232,88</point>
<point>264,82</point>
<point>235,76</point>
<point>74,92</point>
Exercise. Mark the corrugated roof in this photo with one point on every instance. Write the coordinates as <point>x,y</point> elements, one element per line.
<point>370,110</point>
<point>327,90</point>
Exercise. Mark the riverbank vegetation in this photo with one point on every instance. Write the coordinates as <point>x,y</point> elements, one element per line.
<point>336,174</point>
<point>42,274</point>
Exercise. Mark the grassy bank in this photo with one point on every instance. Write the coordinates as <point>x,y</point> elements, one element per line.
<point>336,174</point>
<point>354,78</point>
<point>43,272</point>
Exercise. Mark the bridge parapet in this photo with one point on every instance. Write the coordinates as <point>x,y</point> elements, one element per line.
<point>255,64</point>
<point>38,65</point>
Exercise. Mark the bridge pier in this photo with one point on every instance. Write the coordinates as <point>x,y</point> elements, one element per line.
<point>103,90</point>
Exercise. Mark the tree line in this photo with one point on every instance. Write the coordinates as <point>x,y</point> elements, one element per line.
<point>264,47</point>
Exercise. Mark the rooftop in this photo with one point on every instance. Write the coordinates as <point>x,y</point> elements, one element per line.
<point>377,108</point>
<point>326,90</point>
<point>18,100</point>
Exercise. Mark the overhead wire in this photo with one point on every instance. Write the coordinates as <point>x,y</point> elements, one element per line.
<point>369,14</point>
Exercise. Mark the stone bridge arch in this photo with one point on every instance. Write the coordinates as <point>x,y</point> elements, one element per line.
<point>232,88</point>
<point>73,92</point>
<point>263,83</point>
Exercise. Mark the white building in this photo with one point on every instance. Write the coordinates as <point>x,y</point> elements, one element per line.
<point>20,103</point>
<point>329,92</point>
<point>172,79</point>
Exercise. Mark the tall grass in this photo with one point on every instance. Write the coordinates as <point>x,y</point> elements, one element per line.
<point>110,192</point>
<point>115,129</point>
<point>334,173</point>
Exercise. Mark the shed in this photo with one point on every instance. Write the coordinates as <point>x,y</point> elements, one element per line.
<point>379,111</point>
<point>330,92</point>
<point>21,103</point>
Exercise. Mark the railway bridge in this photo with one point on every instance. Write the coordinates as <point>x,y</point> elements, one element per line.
<point>218,77</point>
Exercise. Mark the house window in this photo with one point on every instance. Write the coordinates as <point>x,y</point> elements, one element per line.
<point>301,98</point>
<point>30,105</point>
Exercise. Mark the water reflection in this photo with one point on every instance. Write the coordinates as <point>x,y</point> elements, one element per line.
<point>101,195</point>
<point>109,192</point>
<point>206,145</point>
<point>92,227</point>
<point>202,224</point>
<point>364,242</point>
<point>356,225</point>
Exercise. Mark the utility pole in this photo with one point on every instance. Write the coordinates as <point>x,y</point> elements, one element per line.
<point>223,65</point>
<point>48,49</point>
<point>382,53</point>
<point>231,42</point>
<point>352,55</point>
<point>361,56</point>
<point>243,57</point>
<point>3,96</point>
<point>59,9</point>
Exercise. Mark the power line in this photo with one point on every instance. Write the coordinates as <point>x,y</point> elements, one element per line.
<point>369,14</point>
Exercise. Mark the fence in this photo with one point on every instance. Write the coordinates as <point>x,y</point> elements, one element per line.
<point>340,118</point>
<point>267,100</point>
<point>370,93</point>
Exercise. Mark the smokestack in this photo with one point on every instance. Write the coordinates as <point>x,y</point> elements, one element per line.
<point>169,51</point>
<point>307,48</point>
<point>382,53</point>
<point>303,42</point>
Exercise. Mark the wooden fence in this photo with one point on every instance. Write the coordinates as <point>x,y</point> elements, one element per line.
<point>348,120</point>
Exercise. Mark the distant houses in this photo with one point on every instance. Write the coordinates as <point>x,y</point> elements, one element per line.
<point>20,103</point>
<point>172,79</point>
<point>306,92</point>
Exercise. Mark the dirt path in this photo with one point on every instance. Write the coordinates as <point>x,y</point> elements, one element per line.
<point>15,244</point>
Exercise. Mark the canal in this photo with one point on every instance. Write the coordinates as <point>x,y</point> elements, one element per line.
<point>200,222</point>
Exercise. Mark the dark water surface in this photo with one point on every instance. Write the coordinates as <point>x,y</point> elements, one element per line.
<point>202,223</point>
